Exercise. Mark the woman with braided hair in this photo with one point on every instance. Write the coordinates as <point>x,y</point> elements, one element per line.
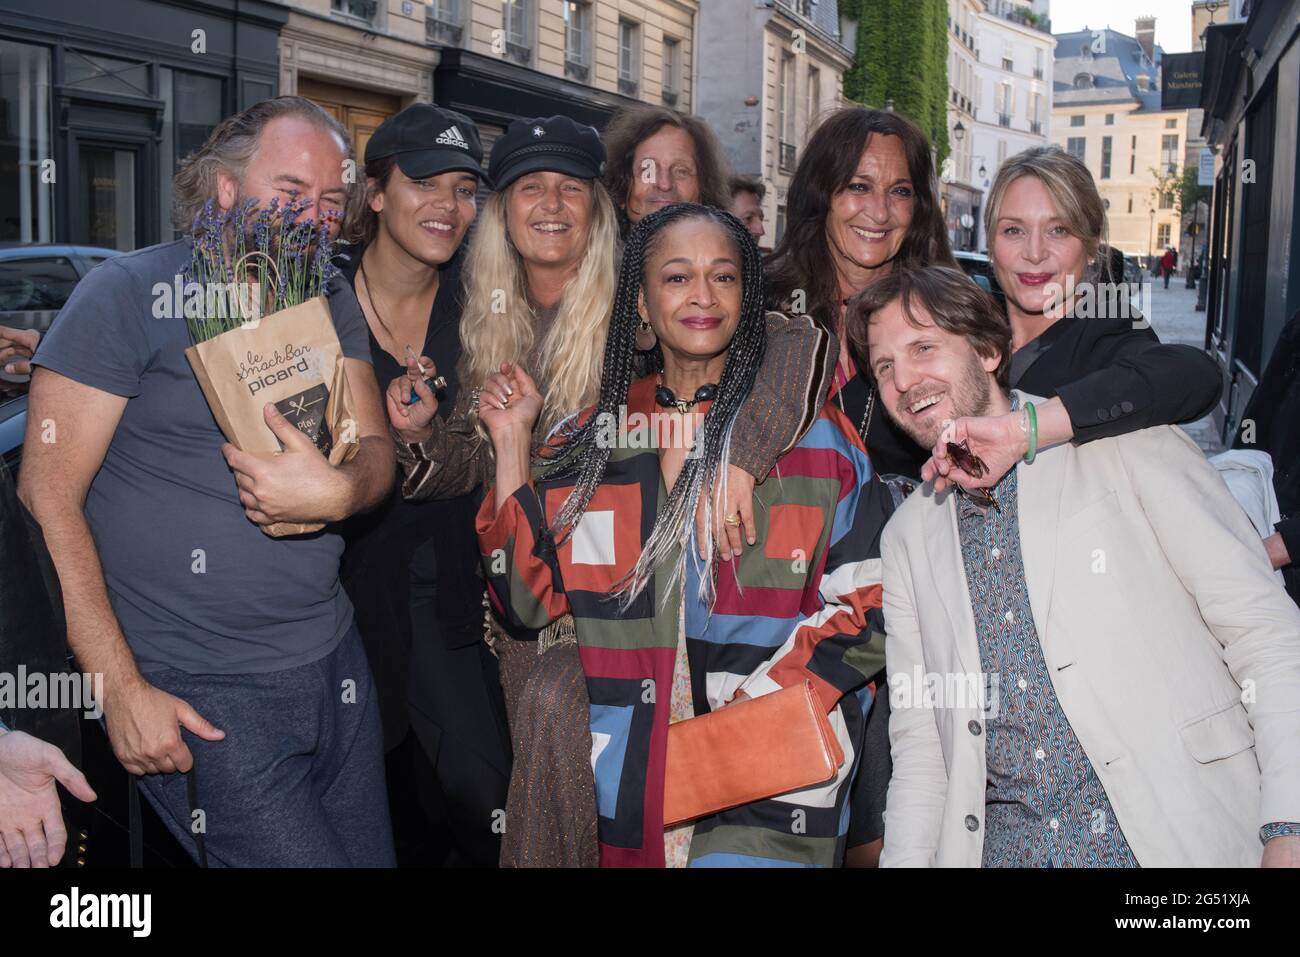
<point>539,287</point>
<point>600,525</point>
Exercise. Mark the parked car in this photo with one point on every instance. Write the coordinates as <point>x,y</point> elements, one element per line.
<point>978,267</point>
<point>40,277</point>
<point>35,281</point>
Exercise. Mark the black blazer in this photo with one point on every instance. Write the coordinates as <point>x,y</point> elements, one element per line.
<point>1114,379</point>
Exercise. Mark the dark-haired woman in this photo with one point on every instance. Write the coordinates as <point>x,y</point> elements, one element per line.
<point>863,198</point>
<point>601,527</point>
<point>550,781</point>
<point>410,568</point>
<point>657,158</point>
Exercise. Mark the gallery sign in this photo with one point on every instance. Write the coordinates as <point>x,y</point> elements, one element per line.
<point>1182,75</point>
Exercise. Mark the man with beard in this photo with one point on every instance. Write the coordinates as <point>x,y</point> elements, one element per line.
<point>235,684</point>
<point>1091,663</point>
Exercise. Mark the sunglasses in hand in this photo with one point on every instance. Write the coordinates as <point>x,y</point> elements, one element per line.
<point>974,466</point>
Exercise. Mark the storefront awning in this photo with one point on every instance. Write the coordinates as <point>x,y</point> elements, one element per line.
<point>1223,45</point>
<point>494,89</point>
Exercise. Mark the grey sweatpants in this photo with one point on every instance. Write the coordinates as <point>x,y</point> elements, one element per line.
<point>298,780</point>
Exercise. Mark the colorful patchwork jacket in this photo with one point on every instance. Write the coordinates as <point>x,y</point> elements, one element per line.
<point>801,604</point>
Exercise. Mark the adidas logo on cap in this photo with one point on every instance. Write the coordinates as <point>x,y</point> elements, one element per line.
<point>451,137</point>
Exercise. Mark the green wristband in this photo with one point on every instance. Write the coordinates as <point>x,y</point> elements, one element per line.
<point>1033,433</point>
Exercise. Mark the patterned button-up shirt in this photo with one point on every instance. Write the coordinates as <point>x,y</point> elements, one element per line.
<point>1045,806</point>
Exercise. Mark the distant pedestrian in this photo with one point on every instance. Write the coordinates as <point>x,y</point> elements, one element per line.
<point>1167,265</point>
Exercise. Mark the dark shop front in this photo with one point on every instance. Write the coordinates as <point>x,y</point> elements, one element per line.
<point>99,101</point>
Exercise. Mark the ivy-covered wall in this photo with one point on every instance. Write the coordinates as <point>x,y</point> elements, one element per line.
<point>902,54</point>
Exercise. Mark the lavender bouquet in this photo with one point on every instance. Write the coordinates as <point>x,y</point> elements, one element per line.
<point>250,266</point>
<point>261,330</point>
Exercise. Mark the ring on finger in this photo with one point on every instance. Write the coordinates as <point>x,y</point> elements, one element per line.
<point>732,520</point>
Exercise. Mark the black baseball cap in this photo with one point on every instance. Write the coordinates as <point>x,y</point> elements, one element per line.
<point>554,143</point>
<point>426,140</point>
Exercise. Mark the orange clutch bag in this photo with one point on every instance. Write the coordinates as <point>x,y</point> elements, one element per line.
<point>754,749</point>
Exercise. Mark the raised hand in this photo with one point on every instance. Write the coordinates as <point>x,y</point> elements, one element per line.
<point>412,420</point>
<point>509,403</point>
<point>998,440</point>
<point>17,346</point>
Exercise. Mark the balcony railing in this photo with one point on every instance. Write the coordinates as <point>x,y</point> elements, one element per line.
<point>670,97</point>
<point>576,71</point>
<point>788,157</point>
<point>1018,14</point>
<point>627,87</point>
<point>1004,119</point>
<point>440,31</point>
<point>1038,73</point>
<point>1036,127</point>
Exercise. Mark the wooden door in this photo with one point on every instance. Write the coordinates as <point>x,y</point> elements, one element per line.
<point>360,111</point>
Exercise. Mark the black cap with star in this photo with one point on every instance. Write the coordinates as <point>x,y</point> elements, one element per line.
<point>554,143</point>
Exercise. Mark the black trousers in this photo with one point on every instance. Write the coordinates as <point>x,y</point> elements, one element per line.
<point>867,799</point>
<point>461,767</point>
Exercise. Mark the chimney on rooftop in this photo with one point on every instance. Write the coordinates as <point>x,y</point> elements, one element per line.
<point>1145,32</point>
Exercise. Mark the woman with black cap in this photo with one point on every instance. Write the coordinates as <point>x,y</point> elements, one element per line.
<point>409,567</point>
<point>539,287</point>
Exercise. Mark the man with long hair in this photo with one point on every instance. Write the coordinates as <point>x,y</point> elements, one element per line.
<point>235,684</point>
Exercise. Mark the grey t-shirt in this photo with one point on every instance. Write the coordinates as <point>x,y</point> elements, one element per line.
<point>195,584</point>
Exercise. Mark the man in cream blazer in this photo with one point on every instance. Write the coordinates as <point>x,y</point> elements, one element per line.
<point>1171,650</point>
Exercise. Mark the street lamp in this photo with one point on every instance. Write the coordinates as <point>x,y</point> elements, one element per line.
<point>959,134</point>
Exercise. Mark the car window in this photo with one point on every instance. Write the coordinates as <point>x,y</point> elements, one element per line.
<point>36,283</point>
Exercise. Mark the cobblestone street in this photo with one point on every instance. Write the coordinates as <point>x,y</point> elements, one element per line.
<point>1175,320</point>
